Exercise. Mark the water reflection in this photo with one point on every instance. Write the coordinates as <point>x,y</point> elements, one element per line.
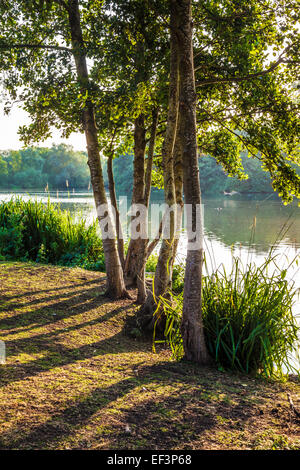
<point>227,222</point>
<point>231,222</point>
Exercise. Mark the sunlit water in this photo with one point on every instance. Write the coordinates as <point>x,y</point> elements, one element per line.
<point>228,229</point>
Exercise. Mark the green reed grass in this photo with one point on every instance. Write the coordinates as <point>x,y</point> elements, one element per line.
<point>248,320</point>
<point>41,232</point>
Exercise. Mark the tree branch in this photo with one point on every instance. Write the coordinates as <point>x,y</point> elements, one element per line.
<point>236,135</point>
<point>281,60</point>
<point>35,46</point>
<point>63,3</point>
<point>155,241</point>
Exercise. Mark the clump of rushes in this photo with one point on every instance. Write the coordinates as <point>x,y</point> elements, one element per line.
<point>248,320</point>
<point>31,230</point>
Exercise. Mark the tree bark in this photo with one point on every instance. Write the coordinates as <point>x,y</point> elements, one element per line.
<point>163,272</point>
<point>136,248</point>
<point>115,282</point>
<point>148,177</point>
<point>192,325</point>
<point>113,198</point>
<point>178,180</point>
<point>138,253</point>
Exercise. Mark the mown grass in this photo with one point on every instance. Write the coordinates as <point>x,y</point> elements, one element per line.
<point>74,380</point>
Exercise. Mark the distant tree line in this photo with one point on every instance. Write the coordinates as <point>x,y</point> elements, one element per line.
<point>59,167</point>
<point>214,180</point>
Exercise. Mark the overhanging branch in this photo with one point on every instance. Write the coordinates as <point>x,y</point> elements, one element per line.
<point>281,60</point>
<point>35,46</point>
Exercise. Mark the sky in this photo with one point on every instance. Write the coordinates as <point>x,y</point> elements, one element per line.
<point>9,139</point>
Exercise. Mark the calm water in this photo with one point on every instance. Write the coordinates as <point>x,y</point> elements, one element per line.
<point>228,224</point>
<point>228,229</point>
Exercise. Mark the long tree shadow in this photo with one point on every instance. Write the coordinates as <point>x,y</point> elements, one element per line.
<point>74,311</point>
<point>58,355</point>
<point>72,294</point>
<point>151,420</point>
<point>45,314</point>
<point>14,346</point>
<point>42,291</point>
<point>45,340</point>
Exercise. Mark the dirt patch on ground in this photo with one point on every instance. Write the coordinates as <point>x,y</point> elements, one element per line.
<point>73,380</point>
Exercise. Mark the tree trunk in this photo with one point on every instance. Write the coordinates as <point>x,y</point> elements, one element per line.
<point>115,282</point>
<point>178,177</point>
<point>192,325</point>
<point>136,246</point>
<point>163,272</point>
<point>137,253</point>
<point>113,198</point>
<point>148,178</point>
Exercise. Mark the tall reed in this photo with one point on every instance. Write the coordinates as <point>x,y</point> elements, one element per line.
<point>248,319</point>
<point>43,232</point>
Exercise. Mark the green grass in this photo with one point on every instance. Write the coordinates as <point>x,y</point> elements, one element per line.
<point>74,380</point>
<point>31,230</point>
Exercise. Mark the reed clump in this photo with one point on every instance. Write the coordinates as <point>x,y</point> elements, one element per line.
<point>248,319</point>
<point>32,230</point>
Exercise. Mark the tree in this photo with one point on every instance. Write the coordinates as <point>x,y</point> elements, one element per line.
<point>3,166</point>
<point>129,59</point>
<point>192,326</point>
<point>226,23</point>
<point>163,272</point>
<point>48,20</point>
<point>134,45</point>
<point>232,82</point>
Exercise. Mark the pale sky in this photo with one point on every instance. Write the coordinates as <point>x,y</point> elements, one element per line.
<point>9,138</point>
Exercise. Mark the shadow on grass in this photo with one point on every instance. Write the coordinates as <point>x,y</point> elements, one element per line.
<point>7,321</point>
<point>58,355</point>
<point>71,311</point>
<point>165,405</point>
<point>164,421</point>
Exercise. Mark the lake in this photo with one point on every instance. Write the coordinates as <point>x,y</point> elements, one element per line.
<point>228,224</point>
<point>228,228</point>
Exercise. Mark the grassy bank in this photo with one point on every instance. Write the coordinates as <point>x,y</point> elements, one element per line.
<point>248,320</point>
<point>32,230</point>
<point>73,380</point>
